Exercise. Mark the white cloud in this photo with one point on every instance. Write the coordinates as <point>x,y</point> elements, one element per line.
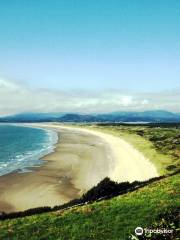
<point>16,97</point>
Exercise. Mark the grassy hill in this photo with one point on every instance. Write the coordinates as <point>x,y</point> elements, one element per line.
<point>155,205</point>
<point>111,219</point>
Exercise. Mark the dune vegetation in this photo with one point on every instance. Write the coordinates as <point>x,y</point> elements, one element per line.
<point>160,143</point>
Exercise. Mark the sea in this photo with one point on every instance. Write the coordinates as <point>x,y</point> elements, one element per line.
<point>22,147</point>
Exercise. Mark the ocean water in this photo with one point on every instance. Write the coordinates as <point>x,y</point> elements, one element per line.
<point>22,147</point>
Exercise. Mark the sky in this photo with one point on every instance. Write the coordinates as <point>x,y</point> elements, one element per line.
<point>129,48</point>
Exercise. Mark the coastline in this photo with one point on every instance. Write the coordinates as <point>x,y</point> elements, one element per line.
<point>81,159</point>
<point>56,181</point>
<point>126,162</point>
<point>29,157</point>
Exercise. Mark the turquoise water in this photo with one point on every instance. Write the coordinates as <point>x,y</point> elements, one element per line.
<point>22,147</point>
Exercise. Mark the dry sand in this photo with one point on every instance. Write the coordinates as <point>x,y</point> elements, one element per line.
<point>81,159</point>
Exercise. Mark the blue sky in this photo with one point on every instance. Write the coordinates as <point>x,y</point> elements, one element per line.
<point>91,44</point>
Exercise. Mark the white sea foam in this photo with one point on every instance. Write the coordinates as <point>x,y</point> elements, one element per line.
<point>22,162</point>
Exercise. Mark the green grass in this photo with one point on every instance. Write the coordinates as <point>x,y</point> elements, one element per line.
<point>113,219</point>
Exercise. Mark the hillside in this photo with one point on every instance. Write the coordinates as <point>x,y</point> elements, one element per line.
<point>109,219</point>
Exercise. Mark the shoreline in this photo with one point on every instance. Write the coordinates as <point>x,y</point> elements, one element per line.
<point>32,158</point>
<point>123,155</point>
<point>81,159</point>
<point>56,181</point>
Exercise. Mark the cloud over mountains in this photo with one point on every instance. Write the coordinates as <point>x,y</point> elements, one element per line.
<point>17,97</point>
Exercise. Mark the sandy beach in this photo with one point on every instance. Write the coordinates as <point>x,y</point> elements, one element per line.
<point>81,159</point>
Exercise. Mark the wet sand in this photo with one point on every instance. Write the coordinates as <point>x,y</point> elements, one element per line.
<point>74,167</point>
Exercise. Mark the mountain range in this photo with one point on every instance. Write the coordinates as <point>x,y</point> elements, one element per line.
<point>146,116</point>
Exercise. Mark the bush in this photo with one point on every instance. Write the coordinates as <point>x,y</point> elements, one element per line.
<point>105,188</point>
